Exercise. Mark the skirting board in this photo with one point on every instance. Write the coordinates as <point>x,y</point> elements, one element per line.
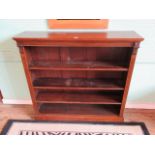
<point>129,105</point>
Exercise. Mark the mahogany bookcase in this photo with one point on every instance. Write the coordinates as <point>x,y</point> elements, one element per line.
<point>79,76</point>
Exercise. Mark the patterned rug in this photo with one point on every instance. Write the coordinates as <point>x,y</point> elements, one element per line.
<point>29,127</point>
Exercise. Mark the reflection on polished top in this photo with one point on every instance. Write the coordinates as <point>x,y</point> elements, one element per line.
<point>80,36</point>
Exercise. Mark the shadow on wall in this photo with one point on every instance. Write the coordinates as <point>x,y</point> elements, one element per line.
<point>12,80</point>
<point>148,97</point>
<point>142,97</point>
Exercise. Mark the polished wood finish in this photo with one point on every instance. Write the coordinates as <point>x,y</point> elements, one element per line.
<point>78,66</point>
<point>79,76</point>
<point>131,66</point>
<point>55,37</point>
<point>26,112</point>
<point>78,23</point>
<point>79,112</point>
<point>77,98</point>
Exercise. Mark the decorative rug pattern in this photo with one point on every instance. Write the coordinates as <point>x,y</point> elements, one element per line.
<point>30,127</point>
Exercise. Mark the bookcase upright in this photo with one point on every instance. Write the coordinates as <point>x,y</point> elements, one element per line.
<point>78,76</point>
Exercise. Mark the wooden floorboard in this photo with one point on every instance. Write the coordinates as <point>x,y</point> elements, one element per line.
<point>25,112</point>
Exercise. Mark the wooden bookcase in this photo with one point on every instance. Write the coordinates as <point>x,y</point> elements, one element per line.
<point>78,76</point>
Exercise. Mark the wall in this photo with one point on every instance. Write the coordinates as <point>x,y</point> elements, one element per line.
<point>12,79</point>
<point>143,81</point>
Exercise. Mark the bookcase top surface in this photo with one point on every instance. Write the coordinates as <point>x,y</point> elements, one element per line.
<point>129,36</point>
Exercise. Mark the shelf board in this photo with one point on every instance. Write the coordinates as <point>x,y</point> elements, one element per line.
<point>78,98</point>
<point>77,66</point>
<point>83,109</point>
<point>79,112</point>
<point>77,84</point>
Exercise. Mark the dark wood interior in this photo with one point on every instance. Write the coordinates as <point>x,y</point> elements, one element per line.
<point>78,75</point>
<point>79,82</point>
<point>80,109</point>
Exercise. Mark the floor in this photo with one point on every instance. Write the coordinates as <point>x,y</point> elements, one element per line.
<point>25,112</point>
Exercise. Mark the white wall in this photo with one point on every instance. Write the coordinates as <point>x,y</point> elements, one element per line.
<point>12,79</point>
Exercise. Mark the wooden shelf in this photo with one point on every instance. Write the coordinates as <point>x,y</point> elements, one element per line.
<point>78,112</point>
<point>79,109</point>
<point>77,66</point>
<point>77,84</point>
<point>78,98</point>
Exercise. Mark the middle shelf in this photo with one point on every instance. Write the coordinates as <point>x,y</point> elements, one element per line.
<point>78,66</point>
<point>77,84</point>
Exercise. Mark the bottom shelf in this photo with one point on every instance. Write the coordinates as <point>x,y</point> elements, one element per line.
<point>81,109</point>
<point>78,112</point>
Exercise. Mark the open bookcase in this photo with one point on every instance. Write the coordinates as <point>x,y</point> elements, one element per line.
<point>78,76</point>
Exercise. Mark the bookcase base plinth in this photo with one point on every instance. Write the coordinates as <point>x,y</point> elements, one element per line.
<point>77,118</point>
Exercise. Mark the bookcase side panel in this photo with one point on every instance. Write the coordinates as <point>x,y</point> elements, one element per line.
<point>128,79</point>
<point>28,75</point>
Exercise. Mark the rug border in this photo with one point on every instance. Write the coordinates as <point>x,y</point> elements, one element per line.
<point>9,123</point>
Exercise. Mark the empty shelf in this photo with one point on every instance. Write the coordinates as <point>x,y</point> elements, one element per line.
<point>77,65</point>
<point>77,84</point>
<point>78,109</point>
<point>78,98</point>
